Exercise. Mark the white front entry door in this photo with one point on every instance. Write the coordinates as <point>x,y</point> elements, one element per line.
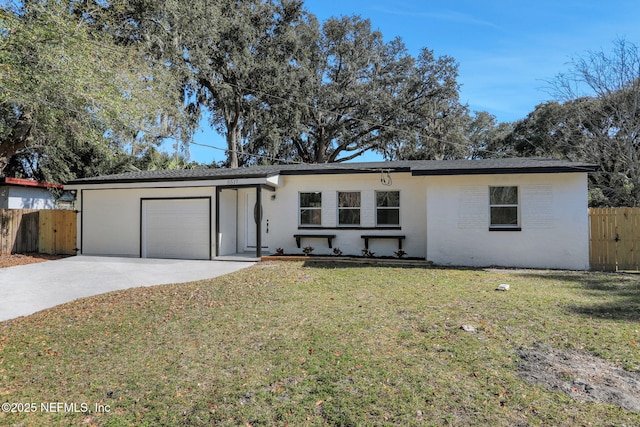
<point>251,215</point>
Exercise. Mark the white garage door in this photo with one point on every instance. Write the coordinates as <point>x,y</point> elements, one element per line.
<point>176,228</point>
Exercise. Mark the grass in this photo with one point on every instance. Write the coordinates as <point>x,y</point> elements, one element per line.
<point>319,345</point>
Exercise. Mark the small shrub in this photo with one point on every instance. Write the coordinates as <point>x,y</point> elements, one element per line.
<point>400,253</point>
<point>337,252</point>
<point>307,250</point>
<point>279,251</point>
<point>368,253</point>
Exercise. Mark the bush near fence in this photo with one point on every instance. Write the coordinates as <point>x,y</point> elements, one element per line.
<point>37,231</point>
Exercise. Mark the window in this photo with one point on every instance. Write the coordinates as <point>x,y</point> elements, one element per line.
<point>349,208</point>
<point>503,206</point>
<point>387,208</point>
<point>310,208</point>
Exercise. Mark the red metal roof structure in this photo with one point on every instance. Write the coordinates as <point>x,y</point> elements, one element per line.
<point>29,183</point>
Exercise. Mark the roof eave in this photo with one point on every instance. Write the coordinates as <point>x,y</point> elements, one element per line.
<point>22,182</point>
<point>342,171</point>
<point>96,181</point>
<point>505,171</point>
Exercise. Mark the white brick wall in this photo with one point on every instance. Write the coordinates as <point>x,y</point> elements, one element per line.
<point>444,218</point>
<point>553,213</point>
<point>283,213</point>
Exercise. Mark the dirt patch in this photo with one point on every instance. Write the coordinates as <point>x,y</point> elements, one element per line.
<point>581,376</point>
<point>22,259</point>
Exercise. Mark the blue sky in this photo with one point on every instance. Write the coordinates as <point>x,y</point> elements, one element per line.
<point>505,49</point>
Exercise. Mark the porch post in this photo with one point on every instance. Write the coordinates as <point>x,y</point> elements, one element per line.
<point>258,218</point>
<point>217,227</point>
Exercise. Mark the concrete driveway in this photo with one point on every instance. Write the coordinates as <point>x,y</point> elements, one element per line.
<point>29,288</point>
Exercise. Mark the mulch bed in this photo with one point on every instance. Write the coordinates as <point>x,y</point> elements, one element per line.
<point>22,259</point>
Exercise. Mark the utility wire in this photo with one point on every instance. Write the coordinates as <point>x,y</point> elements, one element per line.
<point>261,156</point>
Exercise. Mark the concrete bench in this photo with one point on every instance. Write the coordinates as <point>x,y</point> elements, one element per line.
<point>366,238</point>
<point>329,238</point>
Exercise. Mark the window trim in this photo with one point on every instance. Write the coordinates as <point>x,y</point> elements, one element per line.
<point>338,208</point>
<point>347,227</point>
<point>505,227</point>
<point>387,208</point>
<point>300,207</point>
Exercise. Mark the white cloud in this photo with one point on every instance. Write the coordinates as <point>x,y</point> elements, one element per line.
<point>444,15</point>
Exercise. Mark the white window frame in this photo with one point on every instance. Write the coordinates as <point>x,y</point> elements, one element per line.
<point>505,227</point>
<point>387,208</point>
<point>300,208</point>
<point>358,208</point>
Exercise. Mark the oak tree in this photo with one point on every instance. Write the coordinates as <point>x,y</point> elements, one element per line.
<point>69,90</point>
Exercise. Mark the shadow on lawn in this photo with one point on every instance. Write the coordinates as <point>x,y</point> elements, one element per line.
<point>618,294</point>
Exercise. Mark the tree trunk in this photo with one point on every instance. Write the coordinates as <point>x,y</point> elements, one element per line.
<point>232,153</point>
<point>321,147</point>
<point>233,130</point>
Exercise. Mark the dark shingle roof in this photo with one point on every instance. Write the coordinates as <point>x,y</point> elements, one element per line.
<point>416,167</point>
<point>503,166</point>
<point>182,175</point>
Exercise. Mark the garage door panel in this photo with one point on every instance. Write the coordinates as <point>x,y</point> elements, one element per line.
<point>176,228</point>
<point>110,223</point>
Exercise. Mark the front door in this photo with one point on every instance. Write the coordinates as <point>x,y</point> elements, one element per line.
<point>252,215</point>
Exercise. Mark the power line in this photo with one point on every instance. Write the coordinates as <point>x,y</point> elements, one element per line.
<point>261,156</point>
<point>226,150</point>
<point>408,132</point>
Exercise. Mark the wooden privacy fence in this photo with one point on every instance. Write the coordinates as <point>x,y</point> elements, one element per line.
<point>43,231</point>
<point>614,239</point>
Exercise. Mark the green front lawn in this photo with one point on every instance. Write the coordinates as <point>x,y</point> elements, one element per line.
<point>323,344</point>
